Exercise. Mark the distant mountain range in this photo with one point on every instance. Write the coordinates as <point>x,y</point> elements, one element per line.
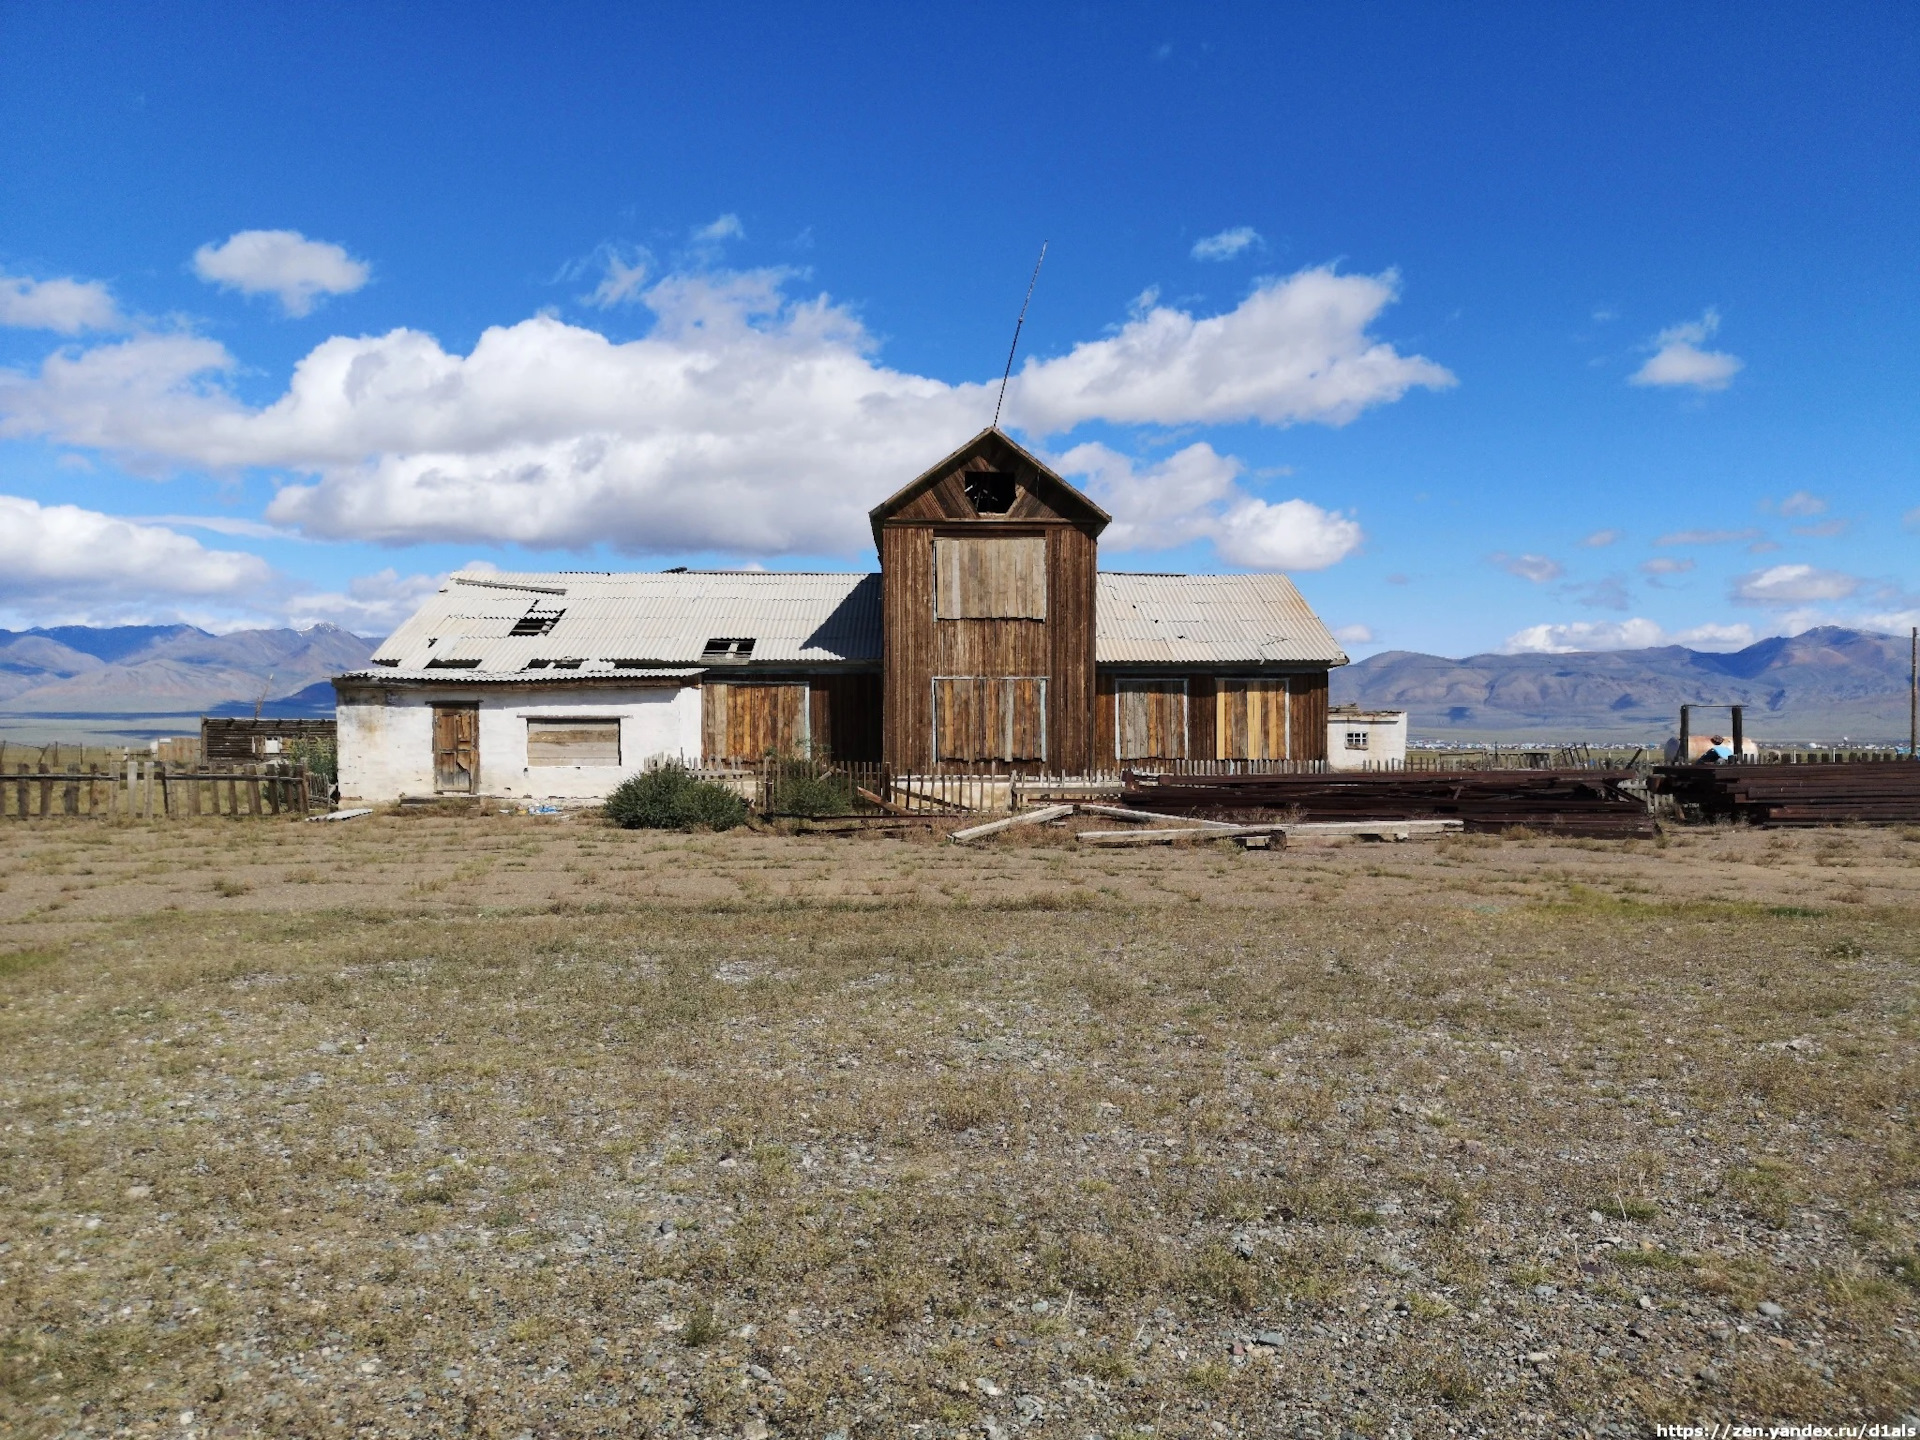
<point>1824,684</point>
<point>139,680</point>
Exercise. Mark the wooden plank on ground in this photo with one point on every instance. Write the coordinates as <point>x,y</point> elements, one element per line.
<point>1025,817</point>
<point>1120,812</point>
<point>1168,837</point>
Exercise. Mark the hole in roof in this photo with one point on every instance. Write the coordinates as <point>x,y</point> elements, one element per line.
<point>728,648</point>
<point>991,491</point>
<point>536,622</point>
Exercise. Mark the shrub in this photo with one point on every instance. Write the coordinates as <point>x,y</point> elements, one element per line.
<point>321,755</point>
<point>670,797</point>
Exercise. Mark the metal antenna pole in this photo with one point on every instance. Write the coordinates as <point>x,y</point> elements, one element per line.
<point>1016,333</point>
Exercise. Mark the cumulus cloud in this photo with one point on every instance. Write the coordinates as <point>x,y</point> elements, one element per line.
<point>282,263</point>
<point>371,604</point>
<point>64,306</point>
<point>1665,565</point>
<point>1194,494</point>
<point>746,421</point>
<point>1296,349</point>
<point>1635,634</point>
<point>1678,360</point>
<point>1354,634</point>
<point>1793,585</point>
<point>1600,539</point>
<point>1227,244</point>
<point>1537,568</point>
<point>1802,503</point>
<point>61,552</point>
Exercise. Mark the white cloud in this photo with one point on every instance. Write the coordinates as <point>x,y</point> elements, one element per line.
<point>1194,495</point>
<point>1707,537</point>
<point>625,280</point>
<point>1801,503</point>
<point>1793,585</point>
<point>64,306</point>
<point>746,421</point>
<point>371,604</point>
<point>727,227</point>
<point>282,263</point>
<point>1227,244</point>
<point>1537,568</point>
<point>1354,634</point>
<point>1825,530</point>
<point>1665,565</point>
<point>1294,350</point>
<point>1678,359</point>
<point>61,552</point>
<point>1635,634</point>
<point>1599,539</point>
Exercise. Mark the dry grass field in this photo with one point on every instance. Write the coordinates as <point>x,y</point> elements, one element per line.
<point>506,1126</point>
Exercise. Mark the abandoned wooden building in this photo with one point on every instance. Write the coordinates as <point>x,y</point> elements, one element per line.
<point>989,642</point>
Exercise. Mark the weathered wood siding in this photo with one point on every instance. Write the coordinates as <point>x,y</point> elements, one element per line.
<point>990,577</point>
<point>743,720</point>
<point>844,716</point>
<point>572,742</point>
<point>1310,716</point>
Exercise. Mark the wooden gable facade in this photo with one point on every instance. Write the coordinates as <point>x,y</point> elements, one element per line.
<point>987,565</point>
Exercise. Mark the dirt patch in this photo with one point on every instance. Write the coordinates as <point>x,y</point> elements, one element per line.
<point>488,1124</point>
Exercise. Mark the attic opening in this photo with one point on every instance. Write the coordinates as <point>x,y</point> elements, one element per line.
<point>991,492</point>
<point>536,622</point>
<point>728,650</point>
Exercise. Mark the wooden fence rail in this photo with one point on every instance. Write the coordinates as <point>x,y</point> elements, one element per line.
<point>155,790</point>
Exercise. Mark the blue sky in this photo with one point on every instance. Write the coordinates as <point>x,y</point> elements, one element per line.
<point>1496,326</point>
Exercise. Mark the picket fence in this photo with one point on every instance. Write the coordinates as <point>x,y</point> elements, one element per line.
<point>156,790</point>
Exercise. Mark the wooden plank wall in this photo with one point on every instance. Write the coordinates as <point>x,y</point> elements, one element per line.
<point>845,717</point>
<point>1309,721</point>
<point>744,720</point>
<point>1072,557</point>
<point>990,577</point>
<point>1303,728</point>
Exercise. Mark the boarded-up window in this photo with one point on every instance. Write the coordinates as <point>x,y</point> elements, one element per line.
<point>1150,719</point>
<point>573,742</point>
<point>990,577</point>
<point>744,722</point>
<point>989,718</point>
<point>1250,720</point>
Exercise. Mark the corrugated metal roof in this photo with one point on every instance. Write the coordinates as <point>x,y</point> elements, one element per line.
<point>666,619</point>
<point>1208,620</point>
<point>390,675</point>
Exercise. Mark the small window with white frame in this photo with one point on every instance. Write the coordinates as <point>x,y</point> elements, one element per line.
<point>1356,739</point>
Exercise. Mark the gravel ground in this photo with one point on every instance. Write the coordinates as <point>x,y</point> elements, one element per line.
<point>502,1126</point>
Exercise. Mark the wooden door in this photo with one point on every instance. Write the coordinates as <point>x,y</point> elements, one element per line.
<point>456,749</point>
<point>751,720</point>
<point>1150,720</point>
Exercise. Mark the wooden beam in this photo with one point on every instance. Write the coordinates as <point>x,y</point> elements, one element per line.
<point>1025,817</point>
<point>1118,812</point>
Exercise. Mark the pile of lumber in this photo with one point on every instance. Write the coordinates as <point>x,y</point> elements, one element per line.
<point>1558,802</point>
<point>1886,791</point>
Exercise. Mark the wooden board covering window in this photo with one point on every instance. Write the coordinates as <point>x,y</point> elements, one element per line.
<point>1150,719</point>
<point>1250,720</point>
<point>456,748</point>
<point>990,577</point>
<point>745,721</point>
<point>573,742</point>
<point>989,718</point>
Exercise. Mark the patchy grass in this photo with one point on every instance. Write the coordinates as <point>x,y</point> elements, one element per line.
<point>317,1129</point>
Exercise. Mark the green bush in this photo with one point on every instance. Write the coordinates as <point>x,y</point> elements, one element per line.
<point>669,797</point>
<point>797,790</point>
<point>322,757</point>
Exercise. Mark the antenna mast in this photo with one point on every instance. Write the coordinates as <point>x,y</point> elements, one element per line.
<point>1016,333</point>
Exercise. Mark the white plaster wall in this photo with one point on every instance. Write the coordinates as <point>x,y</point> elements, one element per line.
<point>1386,739</point>
<point>386,738</point>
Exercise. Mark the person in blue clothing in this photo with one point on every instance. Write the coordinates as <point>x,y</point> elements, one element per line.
<point>1718,752</point>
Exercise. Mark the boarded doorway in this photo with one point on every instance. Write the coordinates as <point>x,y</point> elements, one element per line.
<point>456,749</point>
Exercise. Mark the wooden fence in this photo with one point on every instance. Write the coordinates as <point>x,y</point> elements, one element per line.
<point>155,790</point>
